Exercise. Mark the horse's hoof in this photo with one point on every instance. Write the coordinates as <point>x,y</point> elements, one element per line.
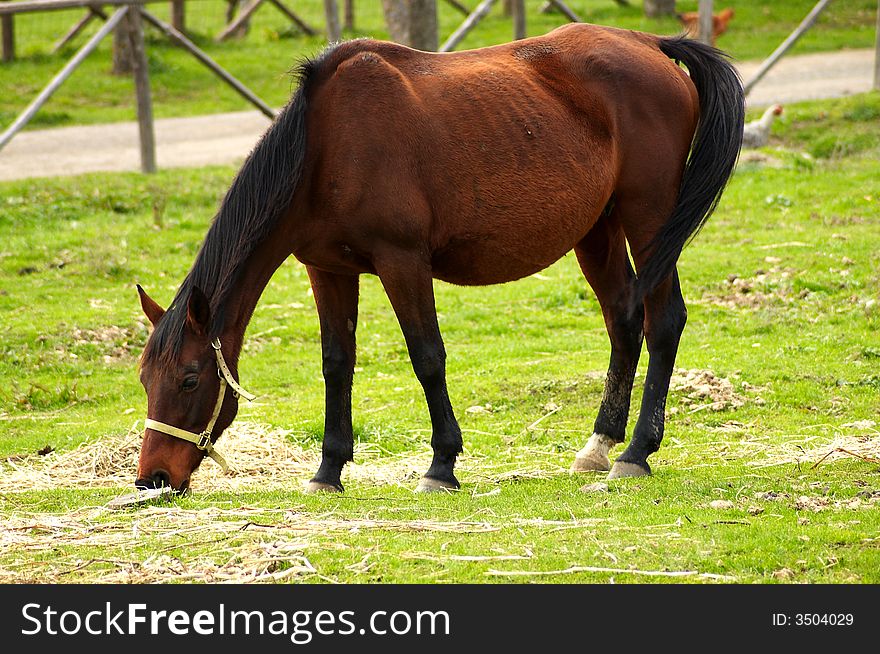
<point>594,456</point>
<point>431,485</point>
<point>321,487</point>
<point>622,469</point>
<point>594,463</point>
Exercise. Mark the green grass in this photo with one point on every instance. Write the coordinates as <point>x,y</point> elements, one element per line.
<point>835,130</point>
<point>182,86</point>
<point>801,350</point>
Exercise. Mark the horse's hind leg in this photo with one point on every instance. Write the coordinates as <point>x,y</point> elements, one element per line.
<point>665,316</point>
<point>408,283</point>
<point>604,261</point>
<point>336,297</point>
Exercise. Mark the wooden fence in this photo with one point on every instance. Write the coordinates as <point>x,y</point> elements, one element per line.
<point>129,16</point>
<point>132,14</point>
<point>237,18</point>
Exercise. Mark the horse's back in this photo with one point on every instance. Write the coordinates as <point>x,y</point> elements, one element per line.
<point>458,150</point>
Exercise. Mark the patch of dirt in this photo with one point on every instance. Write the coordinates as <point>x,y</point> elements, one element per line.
<point>756,157</point>
<point>115,343</point>
<point>818,503</point>
<point>807,503</point>
<point>703,389</point>
<point>770,496</point>
<point>770,287</point>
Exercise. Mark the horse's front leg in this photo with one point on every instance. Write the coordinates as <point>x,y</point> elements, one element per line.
<point>336,297</point>
<point>408,283</point>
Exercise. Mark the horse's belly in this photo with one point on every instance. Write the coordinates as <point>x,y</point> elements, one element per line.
<point>480,261</point>
<point>493,234</point>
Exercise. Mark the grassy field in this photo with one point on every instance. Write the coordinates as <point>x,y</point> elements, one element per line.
<point>182,86</point>
<point>779,366</point>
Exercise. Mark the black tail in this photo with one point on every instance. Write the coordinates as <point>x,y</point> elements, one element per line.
<point>713,155</point>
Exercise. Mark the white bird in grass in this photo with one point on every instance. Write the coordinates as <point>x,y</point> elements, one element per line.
<point>757,132</point>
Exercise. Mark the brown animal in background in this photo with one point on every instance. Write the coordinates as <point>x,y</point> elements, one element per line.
<point>475,167</point>
<point>691,22</point>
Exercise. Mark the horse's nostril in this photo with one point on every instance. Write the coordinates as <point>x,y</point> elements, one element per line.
<point>161,478</point>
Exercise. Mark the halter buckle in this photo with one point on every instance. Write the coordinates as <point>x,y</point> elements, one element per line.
<point>204,441</point>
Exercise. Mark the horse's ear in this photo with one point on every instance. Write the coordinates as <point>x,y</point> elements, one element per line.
<point>152,310</point>
<point>198,311</point>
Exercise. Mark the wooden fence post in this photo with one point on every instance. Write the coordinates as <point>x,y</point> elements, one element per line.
<point>141,72</point>
<point>178,15</point>
<point>877,52</point>
<point>518,9</point>
<point>705,31</point>
<point>7,27</point>
<point>122,64</point>
<point>348,21</point>
<point>412,22</point>
<point>331,11</point>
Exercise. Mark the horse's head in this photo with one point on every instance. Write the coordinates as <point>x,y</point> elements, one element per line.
<point>188,405</point>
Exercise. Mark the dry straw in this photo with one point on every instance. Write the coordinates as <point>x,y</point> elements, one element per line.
<point>261,457</point>
<point>812,451</point>
<point>241,544</point>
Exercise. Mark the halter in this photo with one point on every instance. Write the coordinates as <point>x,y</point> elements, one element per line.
<point>203,440</point>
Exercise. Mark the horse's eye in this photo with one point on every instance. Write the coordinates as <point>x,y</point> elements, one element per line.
<point>190,383</point>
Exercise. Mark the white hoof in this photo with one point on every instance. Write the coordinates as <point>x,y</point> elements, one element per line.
<point>622,469</point>
<point>428,485</point>
<point>321,487</point>
<point>591,464</point>
<point>594,455</point>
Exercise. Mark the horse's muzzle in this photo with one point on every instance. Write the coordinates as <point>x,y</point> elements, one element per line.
<point>160,479</point>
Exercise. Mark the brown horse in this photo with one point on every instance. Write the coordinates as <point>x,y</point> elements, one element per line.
<point>476,167</point>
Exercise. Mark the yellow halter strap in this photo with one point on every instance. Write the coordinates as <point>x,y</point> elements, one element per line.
<point>203,440</point>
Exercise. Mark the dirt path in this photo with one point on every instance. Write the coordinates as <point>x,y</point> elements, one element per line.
<point>227,138</point>
<point>812,77</point>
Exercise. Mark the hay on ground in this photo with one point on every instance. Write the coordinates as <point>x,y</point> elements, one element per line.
<point>261,457</point>
<point>864,445</point>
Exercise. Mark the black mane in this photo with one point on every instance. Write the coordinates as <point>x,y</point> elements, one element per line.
<point>252,207</point>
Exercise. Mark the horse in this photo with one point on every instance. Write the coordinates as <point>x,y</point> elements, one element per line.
<point>476,167</point>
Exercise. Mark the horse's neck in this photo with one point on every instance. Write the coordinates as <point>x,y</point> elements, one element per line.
<point>241,300</point>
